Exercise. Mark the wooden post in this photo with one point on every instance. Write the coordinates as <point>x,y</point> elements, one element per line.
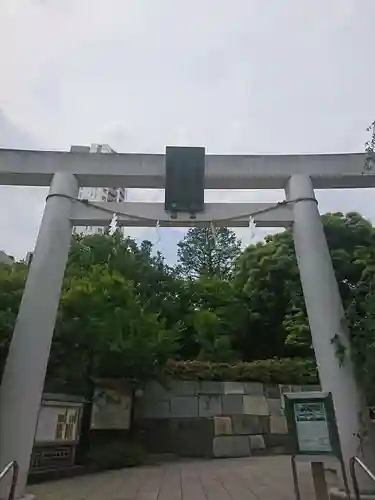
<point>319,479</point>
<point>295,478</point>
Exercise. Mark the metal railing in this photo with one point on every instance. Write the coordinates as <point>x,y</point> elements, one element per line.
<point>353,461</point>
<point>12,465</point>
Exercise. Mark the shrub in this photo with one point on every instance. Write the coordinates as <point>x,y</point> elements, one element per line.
<point>116,455</point>
<point>280,371</point>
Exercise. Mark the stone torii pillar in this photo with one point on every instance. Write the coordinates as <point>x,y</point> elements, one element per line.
<point>26,364</point>
<point>326,315</point>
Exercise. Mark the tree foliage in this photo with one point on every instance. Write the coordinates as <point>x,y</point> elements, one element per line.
<point>109,322</point>
<point>268,276</point>
<point>12,281</point>
<point>268,273</point>
<point>104,325</point>
<point>205,252</point>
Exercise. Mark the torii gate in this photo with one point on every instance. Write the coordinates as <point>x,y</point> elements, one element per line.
<point>65,172</point>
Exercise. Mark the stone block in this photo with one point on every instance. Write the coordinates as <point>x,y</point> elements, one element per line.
<point>222,426</point>
<point>278,424</point>
<point>232,404</point>
<point>184,407</point>
<point>272,390</point>
<point>210,405</point>
<point>192,437</point>
<point>264,422</point>
<point>255,405</point>
<point>210,387</point>
<point>285,388</point>
<point>309,388</point>
<point>315,388</point>
<point>184,387</point>
<point>234,388</point>
<point>156,435</point>
<point>254,388</point>
<point>246,424</point>
<point>274,406</point>
<point>277,442</point>
<point>257,443</point>
<point>231,446</point>
<point>155,409</point>
<point>296,388</point>
<point>155,391</point>
<point>138,410</point>
<point>278,450</point>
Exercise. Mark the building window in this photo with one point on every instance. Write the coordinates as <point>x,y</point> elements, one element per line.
<point>60,426</point>
<point>66,425</point>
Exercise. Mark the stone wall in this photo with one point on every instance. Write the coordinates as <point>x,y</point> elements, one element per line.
<point>214,419</point>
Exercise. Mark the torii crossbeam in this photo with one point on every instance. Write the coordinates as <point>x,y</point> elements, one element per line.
<point>327,171</point>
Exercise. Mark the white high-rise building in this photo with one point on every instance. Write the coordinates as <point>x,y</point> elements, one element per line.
<point>98,194</point>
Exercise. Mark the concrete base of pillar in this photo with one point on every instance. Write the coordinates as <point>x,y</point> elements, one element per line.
<point>336,494</point>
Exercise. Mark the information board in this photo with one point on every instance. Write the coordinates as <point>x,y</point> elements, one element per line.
<point>111,409</point>
<point>312,423</point>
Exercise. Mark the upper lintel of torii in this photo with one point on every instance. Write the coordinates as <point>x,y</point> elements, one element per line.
<point>133,170</point>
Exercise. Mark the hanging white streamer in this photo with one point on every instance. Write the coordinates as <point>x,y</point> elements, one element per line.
<point>157,229</point>
<point>113,225</point>
<point>252,227</point>
<point>213,230</point>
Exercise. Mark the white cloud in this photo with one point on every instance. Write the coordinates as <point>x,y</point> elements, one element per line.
<point>245,76</point>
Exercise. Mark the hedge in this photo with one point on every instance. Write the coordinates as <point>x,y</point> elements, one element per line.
<point>279,371</point>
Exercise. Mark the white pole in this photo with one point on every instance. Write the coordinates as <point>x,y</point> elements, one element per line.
<point>326,316</point>
<point>25,369</point>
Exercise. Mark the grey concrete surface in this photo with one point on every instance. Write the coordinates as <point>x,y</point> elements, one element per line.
<point>267,478</point>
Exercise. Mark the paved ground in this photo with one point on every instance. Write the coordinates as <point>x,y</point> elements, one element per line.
<point>266,478</point>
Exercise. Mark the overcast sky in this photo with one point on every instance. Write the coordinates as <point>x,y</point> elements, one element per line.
<point>235,76</point>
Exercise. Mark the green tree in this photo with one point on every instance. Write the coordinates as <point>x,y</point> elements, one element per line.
<point>268,274</point>
<point>214,345</point>
<point>351,239</point>
<point>360,315</point>
<point>218,316</point>
<point>155,282</point>
<point>12,282</point>
<point>83,332</point>
<point>203,252</point>
<point>103,330</point>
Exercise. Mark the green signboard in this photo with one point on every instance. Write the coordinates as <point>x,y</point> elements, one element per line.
<point>312,424</point>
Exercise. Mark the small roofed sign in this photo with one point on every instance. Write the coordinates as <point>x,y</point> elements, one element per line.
<point>312,423</point>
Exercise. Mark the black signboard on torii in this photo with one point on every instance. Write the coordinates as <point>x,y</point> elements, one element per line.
<point>184,180</point>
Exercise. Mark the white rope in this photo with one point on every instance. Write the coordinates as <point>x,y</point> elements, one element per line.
<point>155,221</point>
